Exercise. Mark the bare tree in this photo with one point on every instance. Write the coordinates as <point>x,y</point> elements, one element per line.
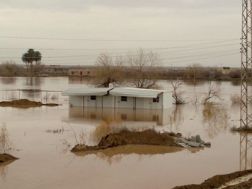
<point>11,69</point>
<point>109,70</point>
<point>143,66</point>
<point>213,92</point>
<point>192,72</point>
<point>176,93</point>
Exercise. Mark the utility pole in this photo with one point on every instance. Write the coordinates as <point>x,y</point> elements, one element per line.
<point>246,60</point>
<point>246,65</point>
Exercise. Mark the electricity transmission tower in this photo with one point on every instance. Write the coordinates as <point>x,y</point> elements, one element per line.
<point>246,60</point>
<point>246,65</point>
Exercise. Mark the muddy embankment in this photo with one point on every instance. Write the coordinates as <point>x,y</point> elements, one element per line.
<point>6,158</point>
<point>148,137</point>
<point>237,180</point>
<point>24,103</point>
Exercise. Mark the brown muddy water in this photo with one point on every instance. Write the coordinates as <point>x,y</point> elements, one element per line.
<point>42,138</point>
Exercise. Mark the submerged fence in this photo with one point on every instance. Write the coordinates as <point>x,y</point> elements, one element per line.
<point>44,96</point>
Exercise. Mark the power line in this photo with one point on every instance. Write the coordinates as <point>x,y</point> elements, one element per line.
<point>111,40</point>
<point>79,56</point>
<point>161,50</point>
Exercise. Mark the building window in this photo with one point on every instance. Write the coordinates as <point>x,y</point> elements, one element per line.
<point>123,117</point>
<point>155,118</point>
<point>156,100</point>
<point>93,116</point>
<point>124,98</point>
<point>92,97</point>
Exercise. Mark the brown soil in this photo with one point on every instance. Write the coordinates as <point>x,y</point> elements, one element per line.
<point>24,103</point>
<point>125,137</point>
<point>219,180</point>
<point>132,149</point>
<point>4,158</point>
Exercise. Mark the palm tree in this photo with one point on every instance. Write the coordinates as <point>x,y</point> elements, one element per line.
<point>29,57</point>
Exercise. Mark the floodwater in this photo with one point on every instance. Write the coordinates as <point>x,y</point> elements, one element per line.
<point>42,138</point>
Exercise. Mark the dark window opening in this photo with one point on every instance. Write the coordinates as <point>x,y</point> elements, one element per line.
<point>92,97</point>
<point>155,118</point>
<point>80,73</point>
<point>124,98</point>
<point>156,100</point>
<point>124,117</point>
<point>93,116</point>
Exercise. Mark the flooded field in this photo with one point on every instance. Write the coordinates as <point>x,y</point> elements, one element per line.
<point>42,138</point>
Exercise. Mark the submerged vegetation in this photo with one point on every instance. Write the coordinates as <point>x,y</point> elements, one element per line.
<point>177,93</point>
<point>5,146</point>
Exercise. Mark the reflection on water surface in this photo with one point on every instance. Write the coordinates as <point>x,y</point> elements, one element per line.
<point>43,165</point>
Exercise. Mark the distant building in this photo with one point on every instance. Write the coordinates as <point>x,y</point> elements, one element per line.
<point>55,70</point>
<point>226,70</point>
<point>129,98</point>
<point>81,72</point>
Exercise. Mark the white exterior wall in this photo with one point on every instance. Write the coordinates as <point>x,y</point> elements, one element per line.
<point>165,102</point>
<point>108,101</point>
<point>121,104</point>
<point>76,101</point>
<point>100,102</point>
<point>139,103</point>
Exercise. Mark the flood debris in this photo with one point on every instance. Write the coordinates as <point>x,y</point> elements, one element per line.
<point>25,103</point>
<point>194,141</point>
<point>56,131</point>
<point>147,137</point>
<point>5,158</point>
<point>228,181</point>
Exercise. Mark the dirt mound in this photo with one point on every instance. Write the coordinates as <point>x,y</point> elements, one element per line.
<point>220,180</point>
<point>125,137</point>
<point>148,137</point>
<point>24,103</point>
<point>4,158</point>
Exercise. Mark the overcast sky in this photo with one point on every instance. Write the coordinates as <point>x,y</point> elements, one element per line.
<point>182,32</point>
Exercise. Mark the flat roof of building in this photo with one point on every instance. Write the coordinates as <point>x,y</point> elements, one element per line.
<point>118,91</point>
<point>86,91</point>
<point>136,92</point>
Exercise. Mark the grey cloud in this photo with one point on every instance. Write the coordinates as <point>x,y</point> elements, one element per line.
<point>83,4</point>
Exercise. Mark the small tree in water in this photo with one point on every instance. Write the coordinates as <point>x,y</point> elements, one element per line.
<point>213,92</point>
<point>4,140</point>
<point>176,93</point>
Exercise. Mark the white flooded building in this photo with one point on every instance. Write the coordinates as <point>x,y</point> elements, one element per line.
<point>119,97</point>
